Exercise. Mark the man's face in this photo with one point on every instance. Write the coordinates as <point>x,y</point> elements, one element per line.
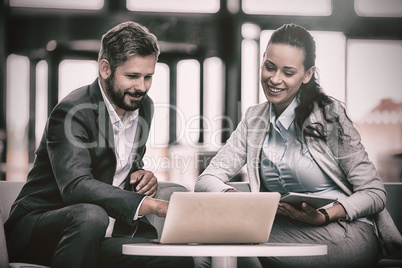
<point>130,83</point>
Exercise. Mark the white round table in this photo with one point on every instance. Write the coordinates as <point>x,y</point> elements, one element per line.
<point>225,256</point>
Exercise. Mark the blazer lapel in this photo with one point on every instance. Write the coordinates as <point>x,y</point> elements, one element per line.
<point>106,138</point>
<point>103,123</point>
<point>258,127</point>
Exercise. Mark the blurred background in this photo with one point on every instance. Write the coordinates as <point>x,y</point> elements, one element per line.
<point>207,74</point>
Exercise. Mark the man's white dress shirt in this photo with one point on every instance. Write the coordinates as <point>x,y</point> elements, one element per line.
<point>124,131</point>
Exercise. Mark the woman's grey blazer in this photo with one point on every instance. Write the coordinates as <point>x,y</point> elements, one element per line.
<point>344,160</point>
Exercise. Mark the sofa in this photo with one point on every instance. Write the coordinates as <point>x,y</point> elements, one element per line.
<point>9,191</point>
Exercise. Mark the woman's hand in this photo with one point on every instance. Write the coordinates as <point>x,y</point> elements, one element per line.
<point>310,215</point>
<point>306,213</point>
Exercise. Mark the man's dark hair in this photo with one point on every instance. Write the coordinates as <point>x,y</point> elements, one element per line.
<point>126,40</point>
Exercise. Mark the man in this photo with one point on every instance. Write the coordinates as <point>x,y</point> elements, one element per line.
<point>86,194</point>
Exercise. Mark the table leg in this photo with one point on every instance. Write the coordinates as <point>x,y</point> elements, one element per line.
<point>224,262</point>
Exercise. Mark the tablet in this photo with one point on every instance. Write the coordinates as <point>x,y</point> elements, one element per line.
<point>316,201</point>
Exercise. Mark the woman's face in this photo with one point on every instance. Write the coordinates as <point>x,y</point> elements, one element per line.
<point>282,74</point>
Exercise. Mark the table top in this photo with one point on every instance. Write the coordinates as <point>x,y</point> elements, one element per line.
<point>238,250</point>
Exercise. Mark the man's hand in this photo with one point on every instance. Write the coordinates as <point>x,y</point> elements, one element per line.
<point>154,206</point>
<point>144,182</point>
<point>306,213</point>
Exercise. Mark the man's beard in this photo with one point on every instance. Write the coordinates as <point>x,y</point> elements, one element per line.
<point>118,97</point>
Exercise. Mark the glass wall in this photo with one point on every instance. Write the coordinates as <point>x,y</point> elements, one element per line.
<point>363,73</point>
<point>76,73</point>
<point>288,7</point>
<point>61,4</point>
<point>205,6</point>
<point>374,100</point>
<point>378,8</point>
<point>17,93</point>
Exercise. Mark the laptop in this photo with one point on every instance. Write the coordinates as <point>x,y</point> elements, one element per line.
<point>219,218</point>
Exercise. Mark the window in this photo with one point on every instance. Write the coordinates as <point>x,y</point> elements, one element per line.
<point>62,4</point>
<point>159,93</point>
<point>213,103</point>
<point>188,102</point>
<point>250,79</point>
<point>288,7</point>
<point>186,6</point>
<point>374,100</point>
<point>156,158</point>
<point>41,100</point>
<point>374,73</point>
<point>378,8</point>
<point>17,117</point>
<point>250,63</point>
<point>74,74</point>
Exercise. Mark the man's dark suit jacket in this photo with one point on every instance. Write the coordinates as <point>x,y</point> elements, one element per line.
<point>75,163</point>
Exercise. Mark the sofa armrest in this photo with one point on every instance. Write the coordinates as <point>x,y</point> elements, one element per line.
<point>165,190</point>
<point>9,191</point>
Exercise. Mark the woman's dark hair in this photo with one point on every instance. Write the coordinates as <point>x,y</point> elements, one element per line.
<point>125,40</point>
<point>310,93</point>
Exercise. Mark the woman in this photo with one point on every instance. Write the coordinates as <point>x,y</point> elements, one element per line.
<point>301,140</point>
